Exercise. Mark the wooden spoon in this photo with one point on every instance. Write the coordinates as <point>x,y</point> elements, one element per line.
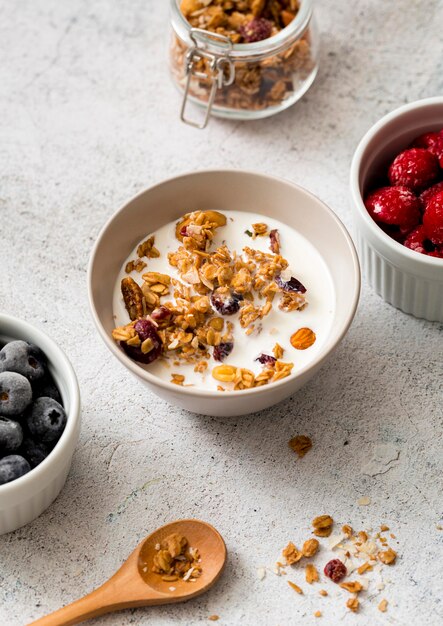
<point>132,587</point>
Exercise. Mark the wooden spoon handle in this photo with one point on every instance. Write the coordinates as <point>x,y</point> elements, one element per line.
<point>102,600</point>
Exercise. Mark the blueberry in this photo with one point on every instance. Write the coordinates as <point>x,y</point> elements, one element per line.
<point>23,358</point>
<point>11,435</point>
<point>34,452</point>
<point>12,467</point>
<point>46,387</point>
<point>15,394</point>
<point>46,420</point>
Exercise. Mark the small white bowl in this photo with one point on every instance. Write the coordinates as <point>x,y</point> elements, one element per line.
<point>408,280</point>
<point>24,499</point>
<point>224,191</point>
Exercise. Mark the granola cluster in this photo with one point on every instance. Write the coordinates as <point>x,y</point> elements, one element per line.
<point>175,559</point>
<point>360,553</point>
<point>259,84</point>
<point>186,319</point>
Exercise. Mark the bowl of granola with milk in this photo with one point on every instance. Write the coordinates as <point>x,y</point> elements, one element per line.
<point>223,291</point>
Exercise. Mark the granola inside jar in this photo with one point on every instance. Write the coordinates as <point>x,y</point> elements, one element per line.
<point>242,59</point>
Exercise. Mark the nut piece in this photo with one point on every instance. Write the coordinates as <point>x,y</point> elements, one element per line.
<point>301,444</point>
<point>322,525</point>
<point>147,248</point>
<point>295,587</point>
<point>133,298</point>
<point>388,556</point>
<point>291,554</point>
<point>303,338</point>
<point>311,574</point>
<point>352,586</point>
<point>353,604</point>
<point>310,547</point>
<point>383,605</point>
<point>162,562</point>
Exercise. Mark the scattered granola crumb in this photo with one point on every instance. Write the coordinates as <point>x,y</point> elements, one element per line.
<point>301,444</point>
<point>323,592</point>
<point>310,547</point>
<point>213,618</point>
<point>347,530</point>
<point>383,606</point>
<point>291,554</point>
<point>384,528</point>
<point>439,527</point>
<point>311,574</point>
<point>322,525</point>
<point>317,614</point>
<point>364,501</point>
<point>366,567</point>
<point>261,573</point>
<point>387,556</point>
<point>352,586</point>
<point>353,604</point>
<point>295,587</point>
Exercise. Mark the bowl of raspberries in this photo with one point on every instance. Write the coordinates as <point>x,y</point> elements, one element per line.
<point>397,199</point>
<point>39,421</point>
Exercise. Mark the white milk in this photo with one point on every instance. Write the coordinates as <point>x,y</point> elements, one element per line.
<point>305,263</point>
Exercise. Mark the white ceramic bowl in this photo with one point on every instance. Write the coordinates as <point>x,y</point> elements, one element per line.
<point>410,281</point>
<point>224,190</point>
<point>24,499</point>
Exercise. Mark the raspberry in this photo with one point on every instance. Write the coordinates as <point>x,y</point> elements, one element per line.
<point>335,570</point>
<point>145,330</point>
<point>419,241</point>
<point>256,30</point>
<point>415,168</point>
<point>266,359</point>
<point>290,285</point>
<point>223,350</point>
<point>433,142</point>
<point>433,219</point>
<point>394,206</point>
<point>427,194</point>
<point>225,303</point>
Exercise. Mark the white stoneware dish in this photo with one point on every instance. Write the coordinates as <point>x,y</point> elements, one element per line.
<point>408,280</point>
<point>24,499</point>
<point>222,191</point>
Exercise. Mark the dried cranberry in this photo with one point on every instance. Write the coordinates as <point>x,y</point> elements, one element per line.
<point>290,285</point>
<point>226,303</point>
<point>222,350</point>
<point>335,570</point>
<point>274,238</point>
<point>161,313</point>
<point>145,330</point>
<point>266,359</point>
<point>256,30</point>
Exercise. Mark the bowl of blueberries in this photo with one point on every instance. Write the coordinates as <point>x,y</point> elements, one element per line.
<point>39,421</point>
<point>397,201</point>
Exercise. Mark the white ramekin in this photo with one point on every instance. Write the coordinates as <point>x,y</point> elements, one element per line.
<point>224,190</point>
<point>408,280</point>
<point>24,499</point>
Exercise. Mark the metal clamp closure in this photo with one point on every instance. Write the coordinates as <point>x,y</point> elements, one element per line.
<point>220,73</point>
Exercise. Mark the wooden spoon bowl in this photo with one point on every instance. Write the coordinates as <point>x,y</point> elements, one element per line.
<point>136,585</point>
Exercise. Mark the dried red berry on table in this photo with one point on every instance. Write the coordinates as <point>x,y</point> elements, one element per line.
<point>256,30</point>
<point>335,570</point>
<point>395,206</point>
<point>416,168</point>
<point>292,284</point>
<point>223,350</point>
<point>428,193</point>
<point>433,219</point>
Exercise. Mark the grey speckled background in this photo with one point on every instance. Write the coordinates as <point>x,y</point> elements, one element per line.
<point>88,118</point>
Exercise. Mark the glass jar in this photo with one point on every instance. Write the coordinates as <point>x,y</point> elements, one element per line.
<point>243,81</point>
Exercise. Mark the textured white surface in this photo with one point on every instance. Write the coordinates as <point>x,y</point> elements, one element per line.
<point>87,118</point>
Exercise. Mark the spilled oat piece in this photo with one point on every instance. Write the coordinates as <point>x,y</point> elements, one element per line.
<point>175,559</point>
<point>301,444</point>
